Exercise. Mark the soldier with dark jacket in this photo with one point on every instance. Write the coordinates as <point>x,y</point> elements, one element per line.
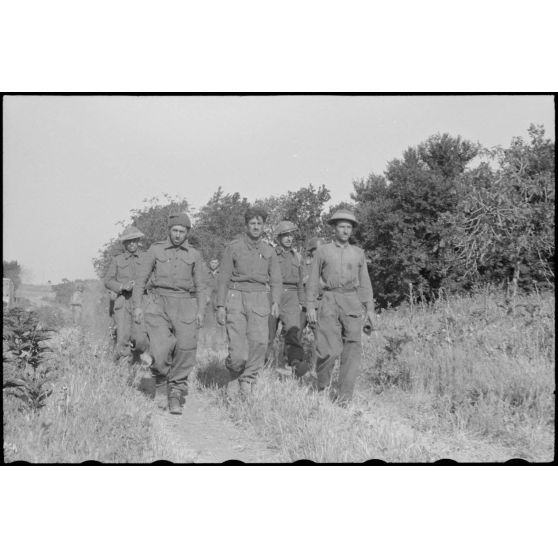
<point>340,268</point>
<point>119,280</point>
<point>248,268</point>
<point>292,298</point>
<point>175,308</point>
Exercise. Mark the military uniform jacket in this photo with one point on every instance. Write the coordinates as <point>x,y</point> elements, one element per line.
<point>123,268</point>
<point>249,266</point>
<point>172,271</point>
<point>340,268</point>
<point>291,271</point>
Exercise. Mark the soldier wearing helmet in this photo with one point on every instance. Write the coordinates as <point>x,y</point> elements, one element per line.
<point>249,270</point>
<point>292,298</point>
<point>174,311</point>
<point>347,299</point>
<point>119,280</point>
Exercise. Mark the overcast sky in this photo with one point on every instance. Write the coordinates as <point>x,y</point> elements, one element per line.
<point>74,166</point>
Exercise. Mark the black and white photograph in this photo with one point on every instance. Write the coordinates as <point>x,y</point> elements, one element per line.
<point>278,278</point>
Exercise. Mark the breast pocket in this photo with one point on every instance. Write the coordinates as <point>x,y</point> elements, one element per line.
<point>163,267</point>
<point>184,265</point>
<point>123,272</point>
<point>263,264</point>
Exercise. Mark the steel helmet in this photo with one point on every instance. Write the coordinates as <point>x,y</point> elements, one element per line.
<point>343,215</point>
<point>314,242</point>
<point>285,227</point>
<point>131,233</point>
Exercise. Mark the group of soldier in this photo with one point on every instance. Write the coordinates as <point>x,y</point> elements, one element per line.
<point>163,296</point>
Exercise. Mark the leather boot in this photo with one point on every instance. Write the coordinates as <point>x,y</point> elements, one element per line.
<point>176,401</point>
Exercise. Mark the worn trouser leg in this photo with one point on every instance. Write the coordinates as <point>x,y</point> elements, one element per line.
<point>236,332</point>
<point>290,315</point>
<point>257,310</point>
<point>161,337</point>
<point>339,333</point>
<point>182,313</point>
<point>351,355</point>
<point>328,339</point>
<point>123,321</point>
<point>247,328</point>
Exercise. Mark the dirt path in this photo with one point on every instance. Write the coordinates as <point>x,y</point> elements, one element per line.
<point>211,436</point>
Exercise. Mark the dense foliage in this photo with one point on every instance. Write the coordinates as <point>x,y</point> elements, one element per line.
<point>445,216</point>
<point>12,270</point>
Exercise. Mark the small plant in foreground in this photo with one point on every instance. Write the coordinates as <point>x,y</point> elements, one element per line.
<point>24,356</point>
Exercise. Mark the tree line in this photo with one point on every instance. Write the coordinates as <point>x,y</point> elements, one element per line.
<point>449,214</point>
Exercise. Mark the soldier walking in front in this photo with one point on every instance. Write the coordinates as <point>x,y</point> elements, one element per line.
<point>292,298</point>
<point>347,297</point>
<point>119,280</point>
<point>174,311</point>
<point>248,267</point>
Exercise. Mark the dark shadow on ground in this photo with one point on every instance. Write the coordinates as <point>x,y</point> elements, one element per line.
<point>213,374</point>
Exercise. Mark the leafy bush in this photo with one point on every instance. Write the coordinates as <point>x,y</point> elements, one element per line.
<point>25,350</point>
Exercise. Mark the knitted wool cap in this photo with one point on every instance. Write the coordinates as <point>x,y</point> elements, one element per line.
<point>179,219</point>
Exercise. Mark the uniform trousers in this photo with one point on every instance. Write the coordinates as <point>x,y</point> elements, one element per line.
<point>127,330</point>
<point>173,337</point>
<point>338,334</point>
<point>247,332</point>
<point>291,317</point>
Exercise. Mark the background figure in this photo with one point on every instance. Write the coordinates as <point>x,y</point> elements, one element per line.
<point>175,308</point>
<point>77,305</point>
<point>292,299</point>
<point>249,265</point>
<point>347,296</point>
<point>131,338</point>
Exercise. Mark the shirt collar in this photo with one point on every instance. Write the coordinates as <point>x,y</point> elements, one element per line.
<point>342,246</point>
<point>184,245</point>
<point>252,244</point>
<point>129,255</point>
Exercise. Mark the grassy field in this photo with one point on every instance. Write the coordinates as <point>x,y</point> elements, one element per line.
<point>92,414</point>
<point>467,378</point>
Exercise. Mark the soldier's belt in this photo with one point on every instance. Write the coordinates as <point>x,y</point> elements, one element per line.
<point>176,294</point>
<point>341,289</point>
<point>287,287</point>
<point>246,287</point>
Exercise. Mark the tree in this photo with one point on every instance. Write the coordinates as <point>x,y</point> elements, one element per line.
<point>12,270</point>
<point>504,228</point>
<point>303,207</point>
<point>218,222</point>
<point>404,229</point>
<point>151,220</point>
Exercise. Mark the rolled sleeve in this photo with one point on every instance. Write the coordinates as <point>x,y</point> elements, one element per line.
<point>144,273</point>
<point>365,293</point>
<point>110,278</point>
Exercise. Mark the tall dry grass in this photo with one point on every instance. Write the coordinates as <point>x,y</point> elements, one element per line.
<point>93,413</point>
<point>466,378</point>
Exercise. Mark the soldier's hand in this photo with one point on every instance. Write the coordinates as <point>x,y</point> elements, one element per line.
<point>128,286</point>
<point>199,319</point>
<point>370,317</point>
<point>221,315</point>
<point>311,315</point>
<point>138,315</point>
<point>275,310</point>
